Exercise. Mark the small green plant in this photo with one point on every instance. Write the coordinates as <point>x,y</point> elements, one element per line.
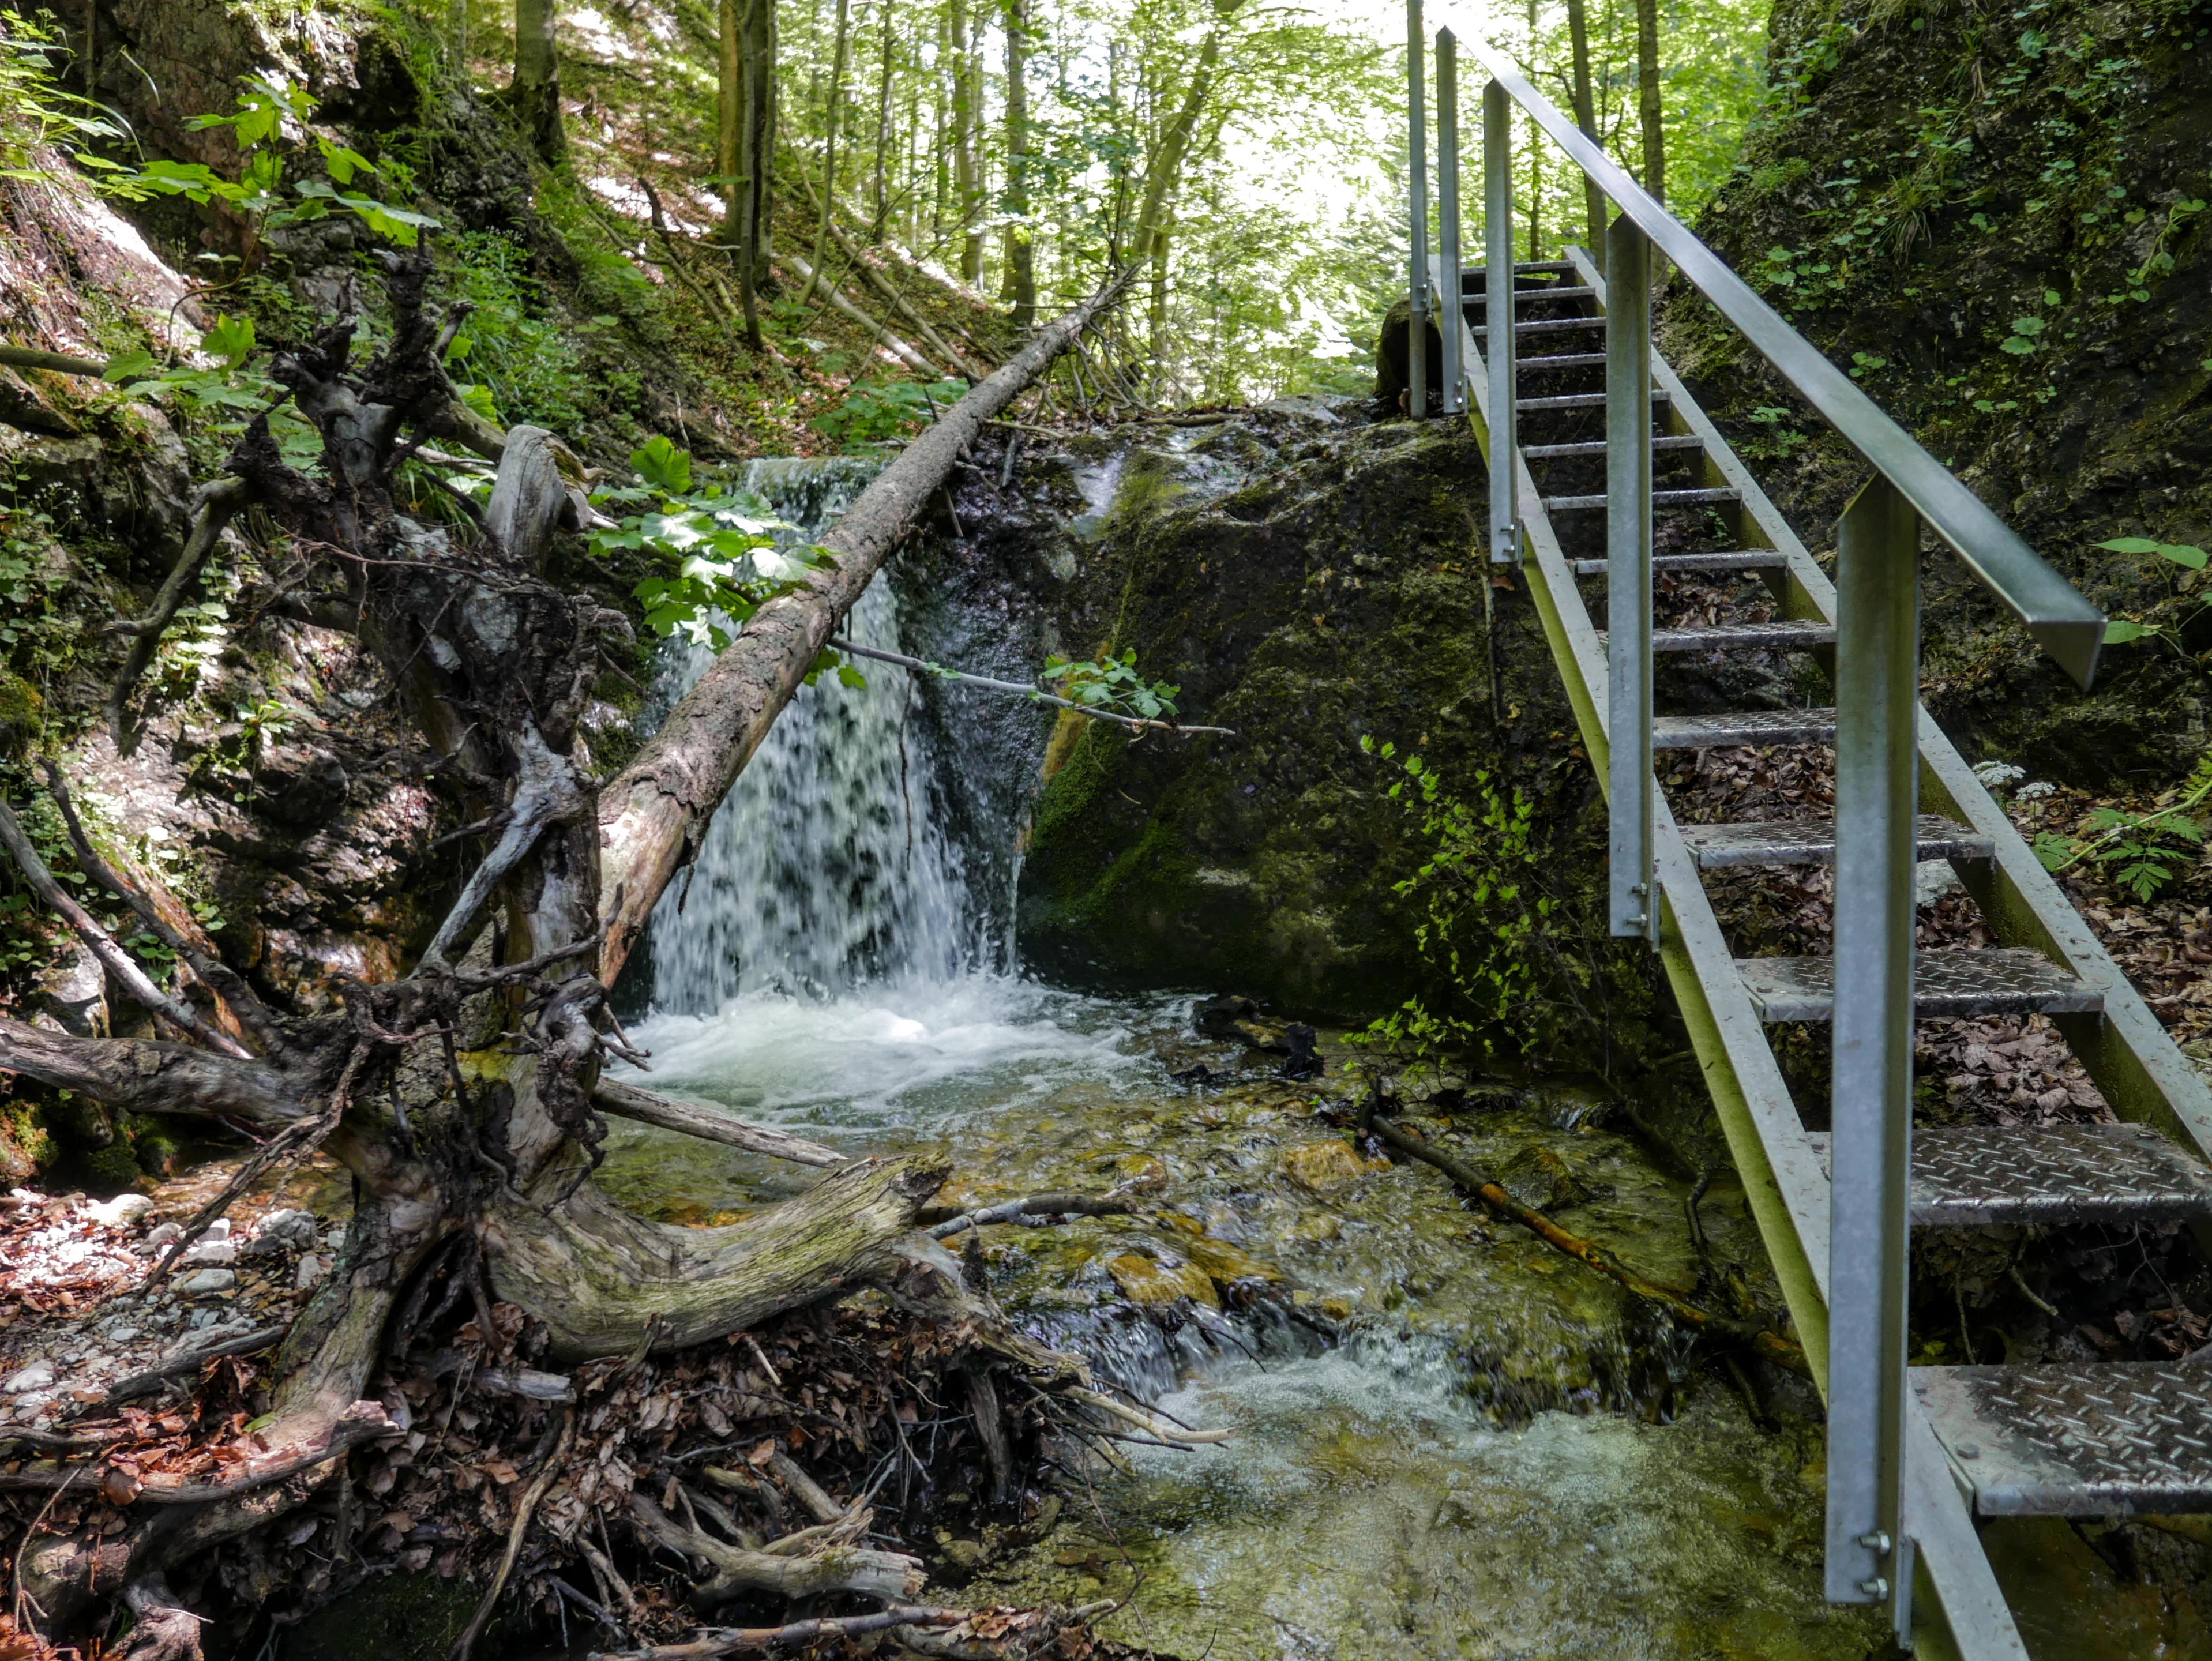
<point>2122,630</point>
<point>1112,684</point>
<point>257,192</point>
<point>1485,919</point>
<point>883,409</point>
<point>2148,850</point>
<point>720,545</point>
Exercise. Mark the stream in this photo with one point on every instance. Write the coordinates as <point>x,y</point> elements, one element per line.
<point>1447,1439</point>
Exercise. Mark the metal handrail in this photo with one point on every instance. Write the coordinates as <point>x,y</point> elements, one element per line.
<point>2060,619</point>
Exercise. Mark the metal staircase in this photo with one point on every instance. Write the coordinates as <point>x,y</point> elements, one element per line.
<point>1915,1454</point>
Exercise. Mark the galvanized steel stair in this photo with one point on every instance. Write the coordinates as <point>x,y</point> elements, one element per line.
<point>2076,1441</point>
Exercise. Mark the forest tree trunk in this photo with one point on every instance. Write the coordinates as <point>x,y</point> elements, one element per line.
<point>1021,250</point>
<point>967,126</point>
<point>535,89</point>
<point>1649,114</point>
<point>1586,119</point>
<point>828,145</point>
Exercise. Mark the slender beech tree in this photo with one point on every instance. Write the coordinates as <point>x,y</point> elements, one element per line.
<point>535,89</point>
<point>967,134</point>
<point>745,144</point>
<point>830,146</point>
<point>1021,250</point>
<point>1647,97</point>
<point>1586,119</point>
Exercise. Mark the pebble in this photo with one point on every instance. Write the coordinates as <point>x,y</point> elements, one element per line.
<point>124,1208</point>
<point>311,1270</point>
<point>163,1235</point>
<point>209,1254</point>
<point>201,1282</point>
<point>37,1376</point>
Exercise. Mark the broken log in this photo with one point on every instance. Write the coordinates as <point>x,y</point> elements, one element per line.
<point>622,1101</point>
<point>652,814</point>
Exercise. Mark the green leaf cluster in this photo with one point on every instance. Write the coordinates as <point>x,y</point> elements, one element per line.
<point>2143,853</point>
<point>715,549</point>
<point>1111,684</point>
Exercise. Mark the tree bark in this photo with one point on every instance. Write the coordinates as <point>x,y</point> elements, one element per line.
<point>830,147</point>
<point>1649,114</point>
<point>812,277</point>
<point>535,89</point>
<point>1021,250</point>
<point>967,122</point>
<point>652,814</point>
<point>1586,119</point>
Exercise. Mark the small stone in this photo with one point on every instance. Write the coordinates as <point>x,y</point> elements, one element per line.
<point>37,1376</point>
<point>1143,1281</point>
<point>335,1239</point>
<point>205,1282</point>
<point>209,1254</point>
<point>124,1208</point>
<point>122,1332</point>
<point>217,1230</point>
<point>1225,1264</point>
<point>310,1272</point>
<point>163,1235</point>
<point>1321,1168</point>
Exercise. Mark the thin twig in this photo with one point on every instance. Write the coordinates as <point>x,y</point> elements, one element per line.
<point>1018,688</point>
<point>521,1526</point>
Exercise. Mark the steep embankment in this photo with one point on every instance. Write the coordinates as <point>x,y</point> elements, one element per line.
<point>1996,219</point>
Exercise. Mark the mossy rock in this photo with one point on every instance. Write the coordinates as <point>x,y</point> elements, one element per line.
<point>22,715</point>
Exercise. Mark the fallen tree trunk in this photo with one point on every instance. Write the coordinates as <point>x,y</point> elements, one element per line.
<point>836,297</point>
<point>651,814</point>
<point>708,1124</point>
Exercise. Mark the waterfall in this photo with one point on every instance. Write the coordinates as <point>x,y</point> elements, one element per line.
<point>829,865</point>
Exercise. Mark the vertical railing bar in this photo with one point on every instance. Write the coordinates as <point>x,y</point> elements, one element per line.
<point>1450,303</point>
<point>1634,907</point>
<point>1498,313</point>
<point>1417,193</point>
<point>1877,783</point>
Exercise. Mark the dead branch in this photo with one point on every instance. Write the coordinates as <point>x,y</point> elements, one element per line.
<point>860,1569</point>
<point>730,1640</point>
<point>523,1512</point>
<point>364,1421</point>
<point>27,357</point>
<point>146,1076</point>
<point>889,290</point>
<point>1772,1346</point>
<point>218,977</point>
<point>1019,688</point>
<point>709,1124</point>
<point>1144,1421</point>
<point>892,344</point>
<point>191,1360</point>
<point>118,962</point>
<point>1035,1205</point>
<point>547,792</point>
<point>650,814</point>
<point>216,504</point>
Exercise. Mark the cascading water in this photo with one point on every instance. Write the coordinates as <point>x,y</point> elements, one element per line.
<point>840,966</point>
<point>826,868</point>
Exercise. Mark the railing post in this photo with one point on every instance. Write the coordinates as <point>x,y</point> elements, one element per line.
<point>1635,903</point>
<point>1451,307</point>
<point>1870,1239</point>
<point>1497,318</point>
<point>1417,171</point>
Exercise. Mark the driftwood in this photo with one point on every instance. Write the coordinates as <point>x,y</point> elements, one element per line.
<point>626,1100</point>
<point>652,814</point>
<point>1770,1345</point>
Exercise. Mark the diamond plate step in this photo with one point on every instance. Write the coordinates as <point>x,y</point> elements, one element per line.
<point>1519,266</point>
<point>2048,1173</point>
<point>1597,446</point>
<point>1748,559</point>
<point>1744,727</point>
<point>1578,401</point>
<point>1548,325</point>
<point>2011,981</point>
<point>1812,842</point>
<point>1660,498</point>
<point>1784,634</point>
<point>2119,1439</point>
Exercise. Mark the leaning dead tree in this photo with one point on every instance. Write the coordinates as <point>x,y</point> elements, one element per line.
<point>465,1099</point>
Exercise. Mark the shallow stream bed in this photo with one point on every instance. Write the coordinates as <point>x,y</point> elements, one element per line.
<point>1448,1439</point>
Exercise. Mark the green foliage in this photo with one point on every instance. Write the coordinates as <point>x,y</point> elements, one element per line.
<point>717,548</point>
<point>35,113</point>
<point>2143,851</point>
<point>257,123</point>
<point>1112,685</point>
<point>1484,916</point>
<point>517,360</point>
<point>2120,631</point>
<point>873,410</point>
